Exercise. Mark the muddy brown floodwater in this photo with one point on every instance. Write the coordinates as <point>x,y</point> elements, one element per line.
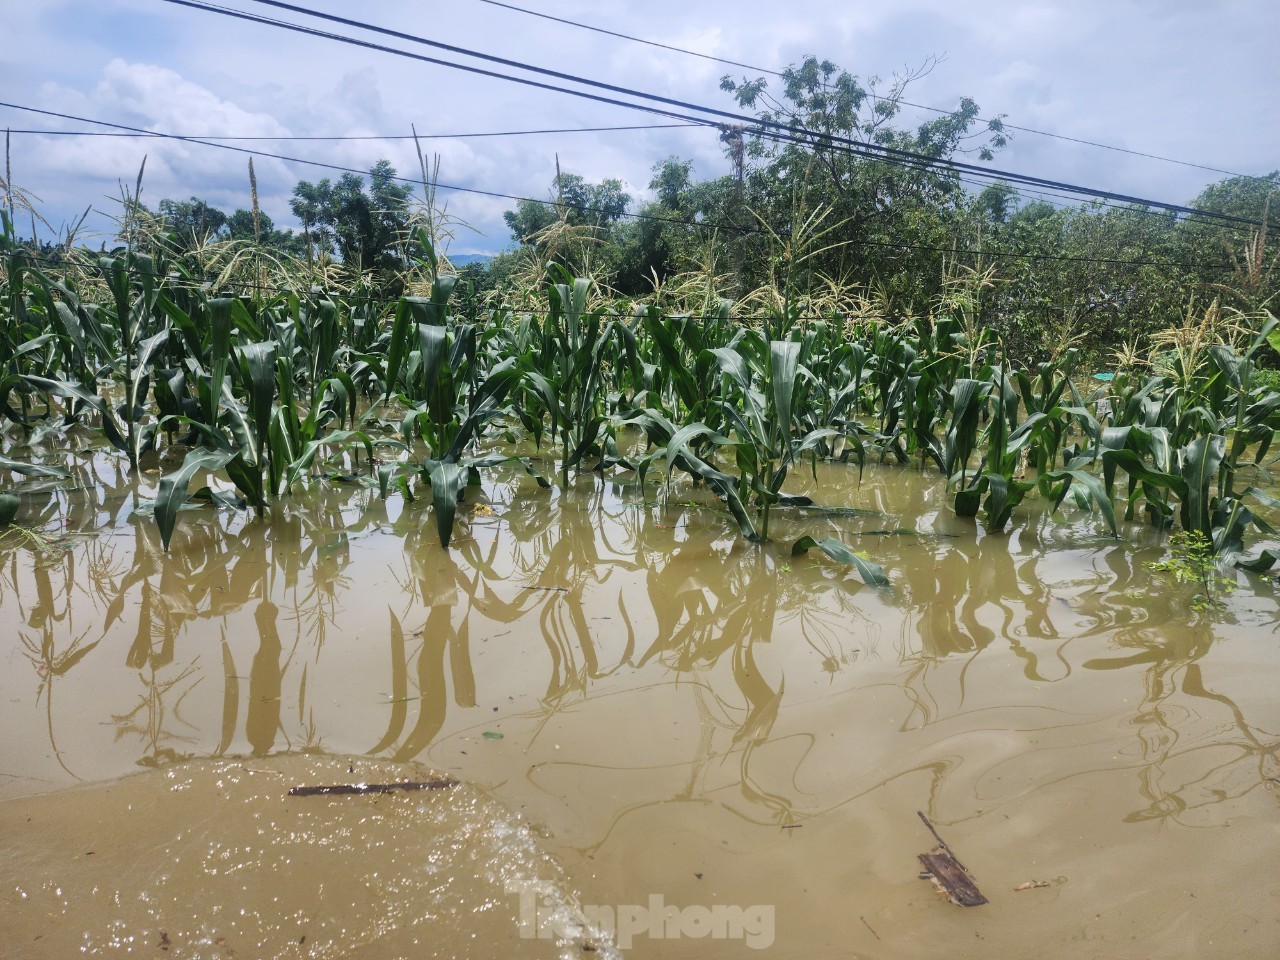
<point>668,742</point>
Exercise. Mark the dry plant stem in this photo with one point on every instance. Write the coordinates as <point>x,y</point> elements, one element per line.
<point>356,789</point>
<point>942,843</point>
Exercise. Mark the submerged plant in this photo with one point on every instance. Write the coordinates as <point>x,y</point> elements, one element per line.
<point>1192,559</point>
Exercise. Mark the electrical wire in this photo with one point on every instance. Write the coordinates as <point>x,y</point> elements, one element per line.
<point>894,100</point>
<point>794,132</point>
<point>1048,197</point>
<point>372,136</point>
<point>625,36</point>
<point>339,168</point>
<point>680,221</point>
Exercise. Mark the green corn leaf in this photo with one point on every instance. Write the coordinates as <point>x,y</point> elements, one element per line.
<point>1264,561</point>
<point>258,367</point>
<point>31,346</point>
<point>969,500</point>
<point>244,321</point>
<point>1261,496</point>
<point>32,469</point>
<point>784,365</point>
<point>1092,486</point>
<point>398,347</point>
<point>301,464</point>
<point>73,391</point>
<point>219,314</point>
<point>732,365</point>
<point>447,480</point>
<point>871,573</point>
<point>1132,464</point>
<point>173,486</point>
<point>1200,461</point>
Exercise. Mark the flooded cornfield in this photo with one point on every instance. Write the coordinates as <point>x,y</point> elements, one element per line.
<point>648,735</point>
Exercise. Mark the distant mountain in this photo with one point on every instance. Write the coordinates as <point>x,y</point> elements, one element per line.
<point>462,259</point>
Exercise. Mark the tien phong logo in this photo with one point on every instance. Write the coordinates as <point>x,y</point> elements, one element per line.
<point>657,920</point>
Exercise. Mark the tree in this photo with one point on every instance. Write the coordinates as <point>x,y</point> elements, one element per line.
<point>654,243</point>
<point>306,205</point>
<point>577,203</point>
<point>1238,262</point>
<point>194,222</point>
<point>997,203</point>
<point>890,213</point>
<point>671,182</point>
<point>368,228</point>
<point>580,220</point>
<point>240,225</point>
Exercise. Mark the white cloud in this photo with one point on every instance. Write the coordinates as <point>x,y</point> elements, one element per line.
<point>160,99</point>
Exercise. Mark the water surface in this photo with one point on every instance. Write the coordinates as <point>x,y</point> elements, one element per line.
<point>637,703</point>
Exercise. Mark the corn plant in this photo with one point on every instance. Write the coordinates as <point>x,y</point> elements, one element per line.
<point>568,380</point>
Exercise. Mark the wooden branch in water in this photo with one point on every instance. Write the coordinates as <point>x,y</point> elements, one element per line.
<point>948,874</point>
<point>949,877</point>
<point>346,789</point>
<point>942,843</point>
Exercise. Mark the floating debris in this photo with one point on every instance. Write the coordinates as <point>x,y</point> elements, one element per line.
<point>947,873</point>
<point>346,789</point>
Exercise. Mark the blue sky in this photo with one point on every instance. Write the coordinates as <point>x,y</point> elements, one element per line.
<point>1190,80</point>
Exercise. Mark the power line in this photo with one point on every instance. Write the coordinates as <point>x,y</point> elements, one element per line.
<point>793,132</point>
<point>876,97</point>
<point>993,253</point>
<point>1048,197</point>
<point>920,161</point>
<point>394,136</point>
<point>625,36</point>
<point>338,168</point>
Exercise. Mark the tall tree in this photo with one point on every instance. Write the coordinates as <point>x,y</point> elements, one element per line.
<point>194,222</point>
<point>577,203</point>
<point>887,212</point>
<point>579,220</point>
<point>368,227</point>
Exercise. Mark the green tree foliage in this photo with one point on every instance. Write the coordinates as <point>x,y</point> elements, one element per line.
<point>191,224</point>
<point>655,244</point>
<point>193,221</point>
<point>577,203</point>
<point>1250,280</point>
<point>887,211</point>
<point>570,229</point>
<point>367,228</point>
<point>797,220</point>
<point>240,226</point>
